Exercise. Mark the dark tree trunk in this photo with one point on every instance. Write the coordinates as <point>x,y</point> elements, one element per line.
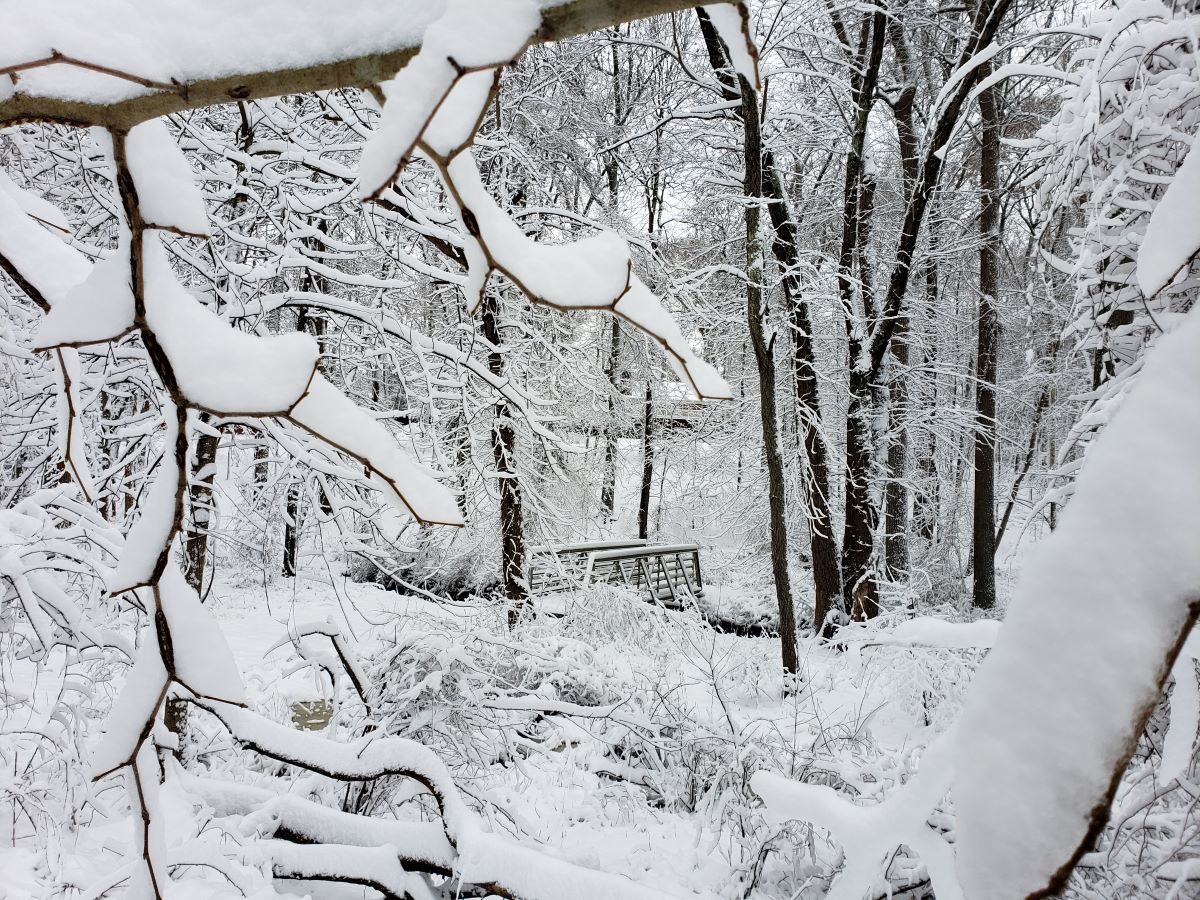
<point>261,470</point>
<point>761,169</point>
<point>647,464</point>
<point>928,499</point>
<point>896,519</point>
<point>764,355</point>
<point>896,498</point>
<point>983,530</point>
<point>291,531</point>
<point>200,503</point>
<point>827,573</point>
<point>861,586</point>
<point>859,580</point>
<point>504,441</point>
<point>608,487</point>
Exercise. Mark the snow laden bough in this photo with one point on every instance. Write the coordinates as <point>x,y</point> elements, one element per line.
<point>206,366</point>
<point>435,106</point>
<point>1097,624</point>
<point>1098,619</point>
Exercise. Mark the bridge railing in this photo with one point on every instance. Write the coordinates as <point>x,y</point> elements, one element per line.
<point>564,567</point>
<point>668,574</point>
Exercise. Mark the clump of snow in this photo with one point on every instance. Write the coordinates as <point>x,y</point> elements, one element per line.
<point>217,366</point>
<point>1180,739</point>
<point>190,42</point>
<point>149,536</point>
<point>871,834</point>
<point>1098,608</point>
<point>925,631</point>
<point>336,419</point>
<point>1173,233</point>
<point>466,36</point>
<point>43,211</point>
<point>732,23</point>
<point>592,273</point>
<point>145,687</point>
<point>166,189</point>
<point>203,660</point>
<point>100,308</point>
<point>38,255</point>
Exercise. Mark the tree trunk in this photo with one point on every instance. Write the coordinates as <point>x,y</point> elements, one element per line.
<point>608,487</point>
<point>859,581</point>
<point>504,441</point>
<point>291,531</point>
<point>861,586</point>
<point>200,502</point>
<point>827,579</point>
<point>927,502</point>
<point>983,529</point>
<point>827,573</point>
<point>764,355</point>
<point>647,464</point>
<point>896,518</point>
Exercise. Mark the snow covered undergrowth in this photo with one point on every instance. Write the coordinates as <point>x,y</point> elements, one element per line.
<point>620,737</point>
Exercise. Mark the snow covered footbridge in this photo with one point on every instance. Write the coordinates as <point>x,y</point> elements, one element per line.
<point>668,574</point>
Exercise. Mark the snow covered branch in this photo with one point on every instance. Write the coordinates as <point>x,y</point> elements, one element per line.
<point>165,60</point>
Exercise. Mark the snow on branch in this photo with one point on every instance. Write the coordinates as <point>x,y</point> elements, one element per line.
<point>466,44</point>
<point>363,760</point>
<point>373,867</point>
<point>151,60</point>
<point>870,835</point>
<point>436,106</point>
<point>34,254</point>
<point>1173,232</point>
<point>1180,740</point>
<point>347,660</point>
<point>1099,615</point>
<point>732,21</point>
<point>421,846</point>
<point>332,416</point>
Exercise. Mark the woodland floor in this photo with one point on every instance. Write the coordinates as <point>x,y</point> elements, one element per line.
<point>597,791</point>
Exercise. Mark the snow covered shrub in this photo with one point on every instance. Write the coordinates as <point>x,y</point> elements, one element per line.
<point>61,643</point>
<point>927,682</point>
<point>428,563</point>
<point>1130,114</point>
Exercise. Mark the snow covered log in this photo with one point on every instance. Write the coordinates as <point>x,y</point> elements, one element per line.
<point>158,59</point>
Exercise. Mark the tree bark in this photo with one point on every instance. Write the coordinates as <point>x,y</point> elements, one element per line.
<point>200,502</point>
<point>608,487</point>
<point>504,441</point>
<point>764,355</point>
<point>927,502</point>
<point>291,531</point>
<point>859,579</point>
<point>827,575</point>
<point>896,497</point>
<point>559,21</point>
<point>983,528</point>
<point>896,515</point>
<point>647,464</point>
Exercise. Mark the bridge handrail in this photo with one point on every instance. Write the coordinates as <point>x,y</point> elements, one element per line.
<point>560,549</point>
<point>653,550</point>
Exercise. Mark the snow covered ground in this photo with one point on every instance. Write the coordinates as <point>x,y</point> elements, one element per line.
<point>712,703</point>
